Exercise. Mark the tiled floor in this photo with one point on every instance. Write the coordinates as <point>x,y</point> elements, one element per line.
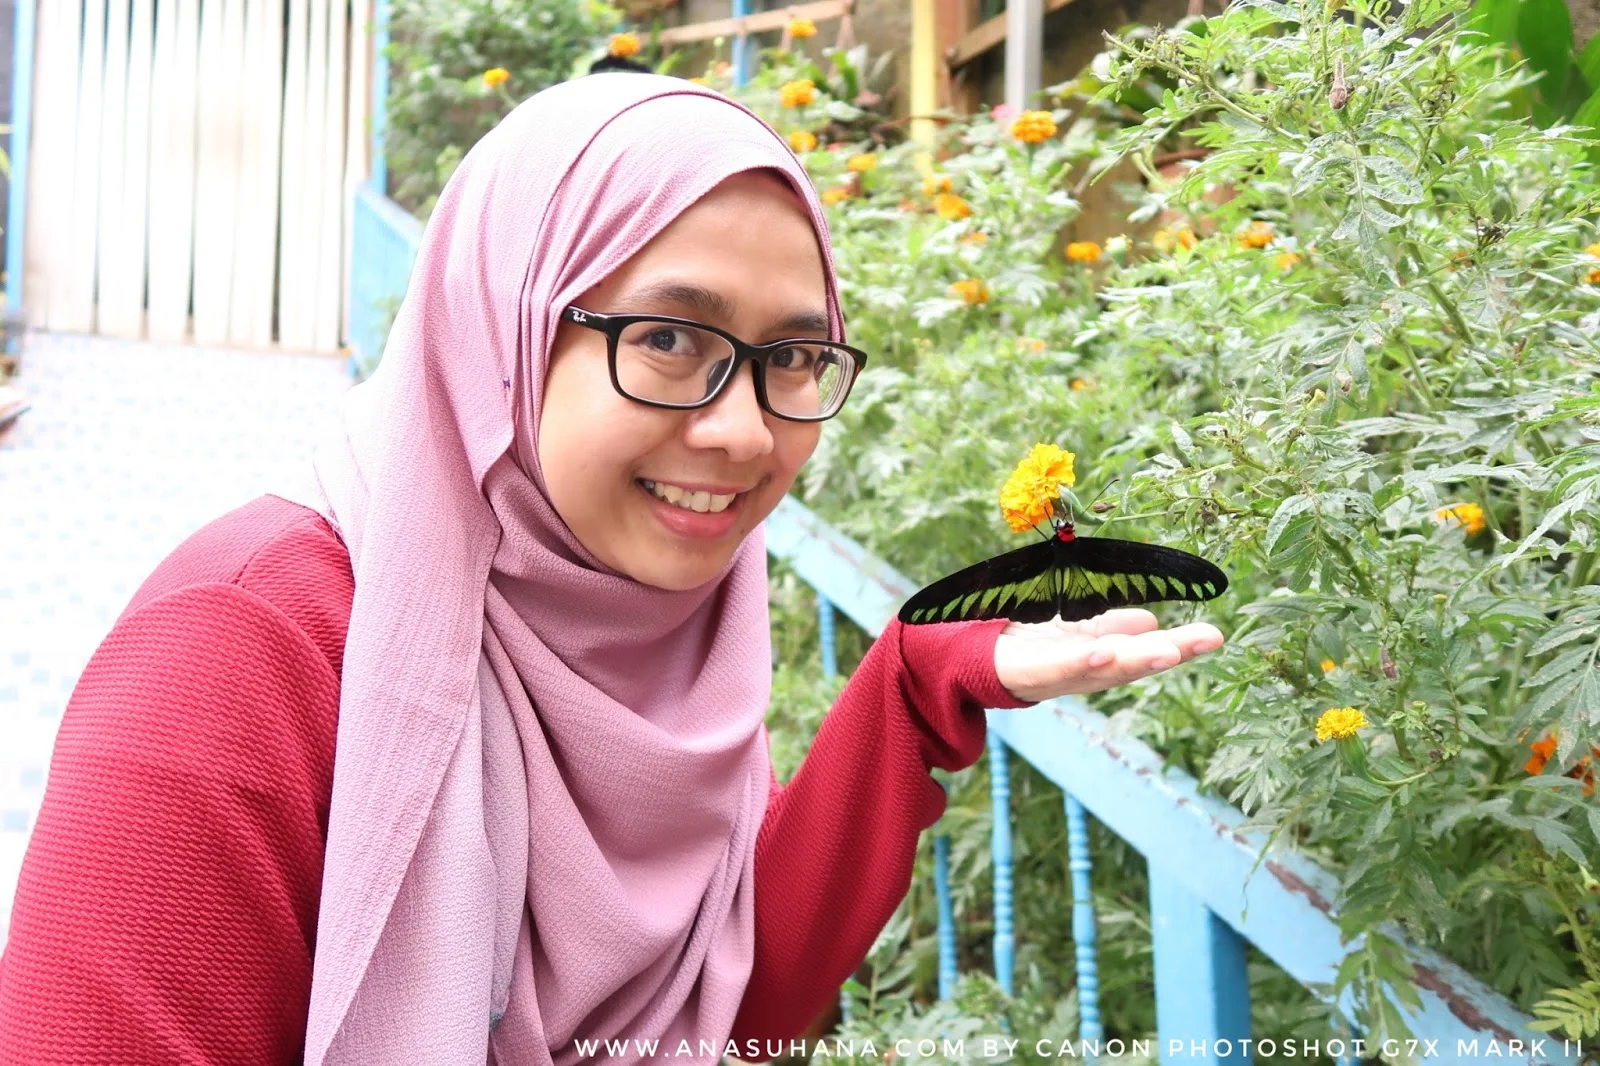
<point>127,450</point>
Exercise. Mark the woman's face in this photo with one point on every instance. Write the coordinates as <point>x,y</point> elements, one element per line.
<point>744,258</point>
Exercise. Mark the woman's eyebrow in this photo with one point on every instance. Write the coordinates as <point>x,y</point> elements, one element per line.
<point>715,306</point>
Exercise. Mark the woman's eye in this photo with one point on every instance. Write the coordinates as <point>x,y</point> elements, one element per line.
<point>669,340</point>
<point>789,358</point>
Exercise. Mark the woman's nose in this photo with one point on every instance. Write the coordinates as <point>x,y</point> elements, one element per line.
<point>735,421</point>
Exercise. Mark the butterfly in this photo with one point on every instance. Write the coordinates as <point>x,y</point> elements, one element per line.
<point>1065,575</point>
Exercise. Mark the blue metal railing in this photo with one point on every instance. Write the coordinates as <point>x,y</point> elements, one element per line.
<point>384,240</point>
<point>1212,891</point>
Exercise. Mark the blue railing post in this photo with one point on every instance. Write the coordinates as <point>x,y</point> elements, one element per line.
<point>380,94</point>
<point>830,669</point>
<point>1202,988</point>
<point>947,921</point>
<point>743,46</point>
<point>1005,943</point>
<point>21,132</point>
<point>1083,927</point>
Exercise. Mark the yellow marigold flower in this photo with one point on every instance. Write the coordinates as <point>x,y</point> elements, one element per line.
<point>702,80</point>
<point>802,28</point>
<point>1031,127</point>
<point>624,45</point>
<point>1594,249</point>
<point>496,76</point>
<point>1083,252</point>
<point>975,237</point>
<point>802,140</point>
<point>1256,235</point>
<point>1030,492</point>
<point>797,93</point>
<point>1468,515</point>
<point>1328,666</point>
<point>1337,723</point>
<point>972,290</point>
<point>1165,240</point>
<point>835,195</point>
<point>1285,260</point>
<point>863,162</point>
<point>935,184</point>
<point>1079,384</point>
<point>951,207</point>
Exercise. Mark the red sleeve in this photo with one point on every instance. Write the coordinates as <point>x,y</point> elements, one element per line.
<point>166,909</point>
<point>835,851</point>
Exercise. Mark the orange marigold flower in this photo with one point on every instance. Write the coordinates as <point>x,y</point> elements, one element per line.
<point>496,76</point>
<point>1285,260</point>
<point>934,184</point>
<point>1256,235</point>
<point>1031,127</point>
<point>975,237</point>
<point>802,141</point>
<point>1336,723</point>
<point>1079,384</point>
<point>721,69</point>
<point>1593,277</point>
<point>1083,252</point>
<point>972,290</point>
<point>802,28</point>
<point>624,45</point>
<point>1544,749</point>
<point>835,195</point>
<point>797,93</point>
<point>1029,494</point>
<point>862,162</point>
<point>1165,240</point>
<point>1468,515</point>
<point>951,207</point>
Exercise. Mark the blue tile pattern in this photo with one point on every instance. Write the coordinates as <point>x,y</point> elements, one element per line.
<point>128,449</point>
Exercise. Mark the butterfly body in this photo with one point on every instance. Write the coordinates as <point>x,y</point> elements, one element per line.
<point>1066,575</point>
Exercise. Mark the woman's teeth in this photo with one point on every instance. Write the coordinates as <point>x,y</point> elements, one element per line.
<point>704,502</point>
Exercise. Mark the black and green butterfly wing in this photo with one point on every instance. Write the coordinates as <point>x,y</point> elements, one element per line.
<point>1077,579</point>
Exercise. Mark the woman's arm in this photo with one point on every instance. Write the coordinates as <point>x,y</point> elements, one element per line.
<point>166,910</point>
<point>835,851</point>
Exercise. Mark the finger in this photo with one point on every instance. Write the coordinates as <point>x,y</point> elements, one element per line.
<point>1118,658</point>
<point>1196,638</point>
<point>1129,620</point>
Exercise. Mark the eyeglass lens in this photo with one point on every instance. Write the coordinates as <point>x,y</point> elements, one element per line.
<point>665,362</point>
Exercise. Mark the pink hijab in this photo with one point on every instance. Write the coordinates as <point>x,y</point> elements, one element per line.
<point>549,776</point>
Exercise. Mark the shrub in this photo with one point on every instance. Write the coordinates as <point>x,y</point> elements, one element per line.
<point>1367,385</point>
<point>440,103</point>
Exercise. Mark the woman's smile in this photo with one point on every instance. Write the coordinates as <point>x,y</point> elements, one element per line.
<point>692,509</point>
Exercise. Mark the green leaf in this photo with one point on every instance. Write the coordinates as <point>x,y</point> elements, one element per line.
<point>1589,63</point>
<point>1498,19</point>
<point>1544,30</point>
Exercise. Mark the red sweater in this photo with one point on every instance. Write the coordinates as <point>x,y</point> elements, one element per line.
<point>167,906</point>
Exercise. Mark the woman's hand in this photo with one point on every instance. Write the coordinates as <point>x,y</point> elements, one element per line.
<point>1043,660</point>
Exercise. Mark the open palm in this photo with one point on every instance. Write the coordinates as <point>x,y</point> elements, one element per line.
<point>1038,661</point>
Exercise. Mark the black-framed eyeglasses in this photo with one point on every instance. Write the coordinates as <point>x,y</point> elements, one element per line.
<point>681,364</point>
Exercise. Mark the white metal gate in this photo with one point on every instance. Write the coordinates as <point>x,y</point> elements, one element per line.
<point>191,169</point>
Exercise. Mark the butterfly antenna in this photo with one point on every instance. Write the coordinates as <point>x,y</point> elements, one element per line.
<point>1101,493</point>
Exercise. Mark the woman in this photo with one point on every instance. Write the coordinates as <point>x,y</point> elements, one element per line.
<point>461,755</point>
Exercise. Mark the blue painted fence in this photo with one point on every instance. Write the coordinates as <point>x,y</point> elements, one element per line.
<point>1209,894</point>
